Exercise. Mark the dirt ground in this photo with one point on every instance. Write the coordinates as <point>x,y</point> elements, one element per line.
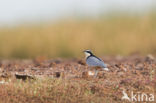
<point>77,83</point>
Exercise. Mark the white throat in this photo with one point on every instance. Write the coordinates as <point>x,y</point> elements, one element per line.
<point>87,54</point>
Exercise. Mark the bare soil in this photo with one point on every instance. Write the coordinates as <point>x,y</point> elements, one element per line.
<point>75,83</point>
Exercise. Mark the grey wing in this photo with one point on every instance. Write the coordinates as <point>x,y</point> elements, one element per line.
<point>93,61</point>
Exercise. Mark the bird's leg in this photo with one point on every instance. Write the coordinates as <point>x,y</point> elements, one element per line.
<point>96,71</point>
<point>90,68</point>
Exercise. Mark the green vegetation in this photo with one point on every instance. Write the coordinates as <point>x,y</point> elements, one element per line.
<point>108,35</point>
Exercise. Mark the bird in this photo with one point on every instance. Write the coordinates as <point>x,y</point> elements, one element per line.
<point>94,61</point>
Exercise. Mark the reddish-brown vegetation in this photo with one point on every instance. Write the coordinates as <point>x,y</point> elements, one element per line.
<point>67,81</point>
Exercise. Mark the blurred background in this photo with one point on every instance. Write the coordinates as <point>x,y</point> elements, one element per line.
<point>64,28</point>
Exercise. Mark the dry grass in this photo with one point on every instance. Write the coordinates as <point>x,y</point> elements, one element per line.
<point>116,34</point>
<point>133,73</point>
<point>52,91</point>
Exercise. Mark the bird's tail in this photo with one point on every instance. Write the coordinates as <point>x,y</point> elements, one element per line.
<point>106,69</point>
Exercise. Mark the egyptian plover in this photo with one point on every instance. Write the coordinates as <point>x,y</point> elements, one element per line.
<point>94,61</point>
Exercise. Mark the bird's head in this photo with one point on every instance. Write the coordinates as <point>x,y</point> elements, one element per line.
<point>88,53</point>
